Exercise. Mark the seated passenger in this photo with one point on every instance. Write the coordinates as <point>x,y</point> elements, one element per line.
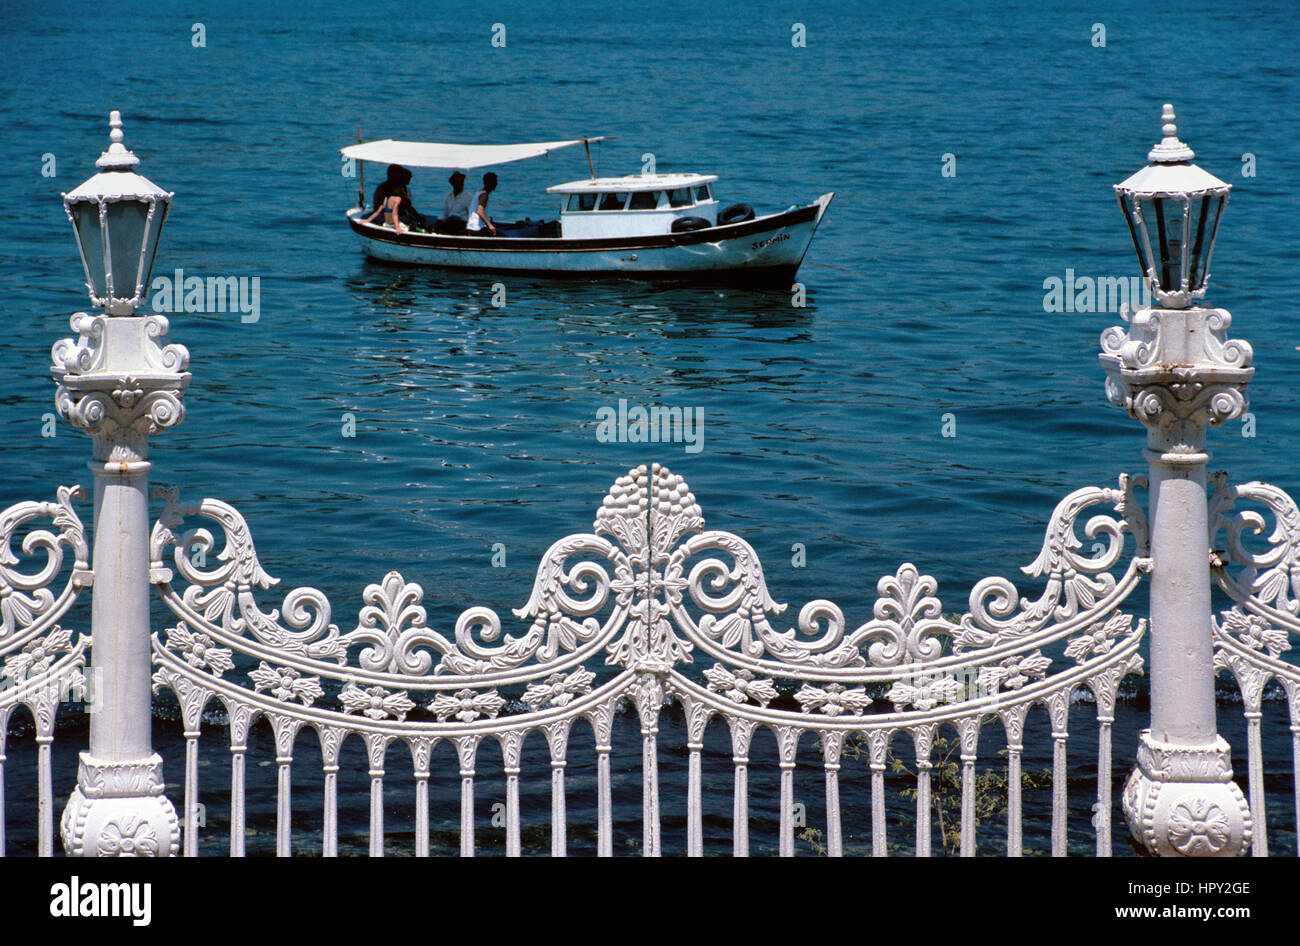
<point>455,207</point>
<point>478,218</point>
<point>393,201</point>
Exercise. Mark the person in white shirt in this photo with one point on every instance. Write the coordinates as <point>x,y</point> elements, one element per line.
<point>478,218</point>
<point>455,207</point>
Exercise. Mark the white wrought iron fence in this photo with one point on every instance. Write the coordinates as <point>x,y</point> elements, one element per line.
<point>651,608</point>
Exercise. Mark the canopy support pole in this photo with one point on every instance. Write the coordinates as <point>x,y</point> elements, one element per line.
<point>590,167</point>
<point>361,171</point>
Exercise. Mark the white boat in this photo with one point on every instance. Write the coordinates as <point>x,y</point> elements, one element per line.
<point>641,225</point>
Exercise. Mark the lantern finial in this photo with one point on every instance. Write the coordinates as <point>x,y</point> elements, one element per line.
<point>1170,150</point>
<point>117,157</point>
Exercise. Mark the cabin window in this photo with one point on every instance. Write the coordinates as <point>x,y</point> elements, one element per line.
<point>613,201</point>
<point>644,200</point>
<point>582,202</point>
<point>681,197</point>
<point>702,192</point>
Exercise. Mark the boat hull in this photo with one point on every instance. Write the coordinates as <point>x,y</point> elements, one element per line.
<point>767,249</point>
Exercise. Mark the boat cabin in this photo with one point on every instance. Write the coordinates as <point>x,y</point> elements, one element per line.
<point>634,205</point>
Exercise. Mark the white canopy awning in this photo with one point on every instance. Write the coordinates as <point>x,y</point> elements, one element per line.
<point>432,154</point>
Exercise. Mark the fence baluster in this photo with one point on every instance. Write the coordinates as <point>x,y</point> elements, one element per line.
<point>511,746</point>
<point>190,843</point>
<point>878,746</point>
<point>4,739</point>
<point>1255,779</point>
<point>237,754</point>
<point>331,742</point>
<point>788,745</point>
<point>45,797</point>
<point>697,717</point>
<point>285,730</point>
<point>1104,723</point>
<point>467,749</point>
<point>421,752</point>
<point>969,731</point>
<point>376,749</point>
<point>742,731</point>
<point>923,737</point>
<point>557,740</point>
<point>1013,722</point>
<point>1058,706</point>
<point>602,721</point>
<point>832,741</point>
<point>1293,694</point>
<point>649,700</point>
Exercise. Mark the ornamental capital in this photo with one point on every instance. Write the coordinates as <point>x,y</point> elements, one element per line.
<point>119,382</point>
<point>1176,371</point>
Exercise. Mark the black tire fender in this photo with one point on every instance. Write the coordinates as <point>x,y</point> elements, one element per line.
<point>736,213</point>
<point>687,224</point>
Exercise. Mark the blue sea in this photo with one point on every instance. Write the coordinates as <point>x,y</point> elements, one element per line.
<point>823,425</point>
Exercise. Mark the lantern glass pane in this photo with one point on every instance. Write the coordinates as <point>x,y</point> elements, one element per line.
<point>151,242</point>
<point>1129,207</point>
<point>1169,225</point>
<point>86,217</point>
<point>1200,234</point>
<point>126,232</point>
<point>1217,204</point>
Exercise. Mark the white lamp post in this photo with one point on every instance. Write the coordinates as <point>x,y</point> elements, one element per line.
<point>119,383</point>
<point>1175,370</point>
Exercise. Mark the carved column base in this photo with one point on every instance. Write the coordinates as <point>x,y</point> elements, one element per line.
<point>1181,801</point>
<point>118,809</point>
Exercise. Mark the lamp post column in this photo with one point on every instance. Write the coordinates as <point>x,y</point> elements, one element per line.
<point>1175,370</point>
<point>120,383</point>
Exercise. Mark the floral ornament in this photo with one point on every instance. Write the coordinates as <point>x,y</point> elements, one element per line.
<point>1014,672</point>
<point>286,684</point>
<point>467,705</point>
<point>128,392</point>
<point>1099,637</point>
<point>559,689</point>
<point>925,692</point>
<point>198,650</point>
<point>134,837</point>
<point>832,700</point>
<point>375,702</point>
<point>39,655</point>
<point>739,686</point>
<point>1255,632</point>
<point>1198,827</point>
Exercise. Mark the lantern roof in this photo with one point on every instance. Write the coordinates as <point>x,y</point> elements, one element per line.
<point>1170,173</point>
<point>116,179</point>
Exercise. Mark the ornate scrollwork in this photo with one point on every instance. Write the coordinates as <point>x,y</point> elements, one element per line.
<point>26,601</point>
<point>1270,576</point>
<point>646,591</point>
<point>1076,580</point>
